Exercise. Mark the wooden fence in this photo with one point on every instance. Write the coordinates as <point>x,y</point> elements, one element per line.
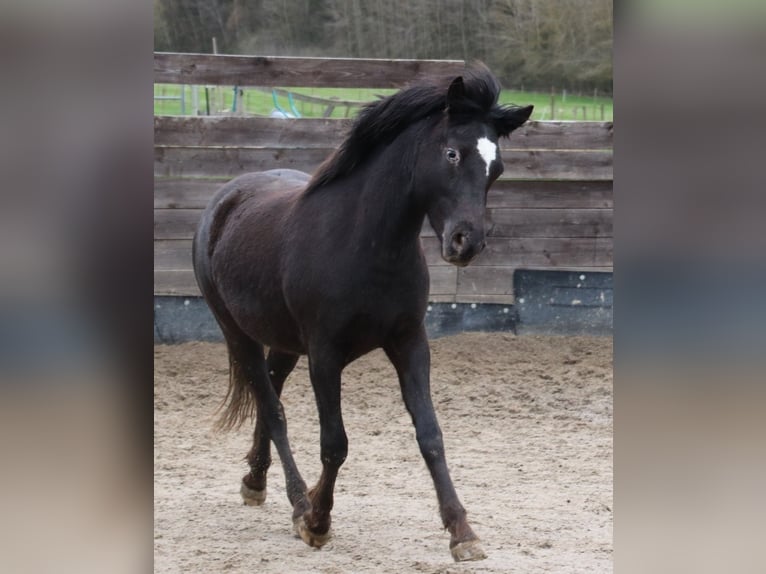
<point>551,209</point>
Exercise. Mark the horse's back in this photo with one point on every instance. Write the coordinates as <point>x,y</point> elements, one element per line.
<point>257,188</point>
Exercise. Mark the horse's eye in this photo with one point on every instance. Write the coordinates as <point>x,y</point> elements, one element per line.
<point>452,155</point>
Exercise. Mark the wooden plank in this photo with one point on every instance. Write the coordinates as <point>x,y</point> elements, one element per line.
<point>227,70</point>
<point>546,194</point>
<point>176,223</point>
<point>578,268</point>
<point>172,161</point>
<point>485,280</point>
<point>185,193</point>
<point>557,164</point>
<point>435,298</point>
<point>194,193</point>
<point>432,250</point>
<point>484,298</point>
<point>173,254</point>
<point>233,161</point>
<point>561,135</point>
<point>511,222</point>
<point>321,132</point>
<point>249,131</point>
<point>427,230</point>
<point>534,252</point>
<point>175,282</point>
<point>443,280</point>
<point>545,252</point>
<point>543,222</point>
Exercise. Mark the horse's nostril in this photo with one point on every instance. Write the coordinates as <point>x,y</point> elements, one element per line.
<point>459,239</point>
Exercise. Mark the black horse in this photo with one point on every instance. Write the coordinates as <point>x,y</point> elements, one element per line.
<point>332,267</point>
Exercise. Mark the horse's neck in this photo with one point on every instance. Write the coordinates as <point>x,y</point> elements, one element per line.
<point>387,212</point>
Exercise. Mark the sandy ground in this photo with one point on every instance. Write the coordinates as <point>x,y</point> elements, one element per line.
<point>527,425</point>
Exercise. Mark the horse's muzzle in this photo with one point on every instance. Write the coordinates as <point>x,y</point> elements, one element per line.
<point>462,244</point>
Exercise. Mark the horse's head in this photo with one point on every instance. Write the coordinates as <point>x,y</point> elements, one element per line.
<point>455,174</point>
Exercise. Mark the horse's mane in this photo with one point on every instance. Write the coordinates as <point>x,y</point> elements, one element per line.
<point>383,120</point>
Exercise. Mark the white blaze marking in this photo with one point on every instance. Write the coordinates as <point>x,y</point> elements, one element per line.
<point>487,151</point>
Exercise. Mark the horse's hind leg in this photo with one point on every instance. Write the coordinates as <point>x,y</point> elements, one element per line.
<point>253,490</point>
<point>251,375</point>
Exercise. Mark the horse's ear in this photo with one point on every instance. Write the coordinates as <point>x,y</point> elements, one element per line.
<point>511,118</point>
<point>455,93</point>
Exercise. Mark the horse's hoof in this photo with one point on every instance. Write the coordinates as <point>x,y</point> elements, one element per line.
<point>252,497</point>
<point>468,550</point>
<point>311,538</point>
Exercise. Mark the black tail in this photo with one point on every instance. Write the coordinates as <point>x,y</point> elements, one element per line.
<point>239,403</point>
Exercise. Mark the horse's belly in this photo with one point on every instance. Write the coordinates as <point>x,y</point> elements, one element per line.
<point>252,294</point>
<point>268,321</point>
<point>365,330</point>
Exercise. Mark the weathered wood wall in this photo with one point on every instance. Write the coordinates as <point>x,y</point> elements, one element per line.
<point>551,209</point>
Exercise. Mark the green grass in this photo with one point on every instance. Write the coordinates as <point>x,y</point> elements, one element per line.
<point>569,108</point>
<point>220,99</point>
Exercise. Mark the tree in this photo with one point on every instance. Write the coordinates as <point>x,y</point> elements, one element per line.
<point>537,44</point>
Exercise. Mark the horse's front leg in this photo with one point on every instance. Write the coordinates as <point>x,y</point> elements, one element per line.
<point>411,357</point>
<point>325,371</point>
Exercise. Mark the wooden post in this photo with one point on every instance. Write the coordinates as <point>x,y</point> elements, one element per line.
<point>195,99</point>
<point>602,112</point>
<point>553,104</point>
<point>218,101</point>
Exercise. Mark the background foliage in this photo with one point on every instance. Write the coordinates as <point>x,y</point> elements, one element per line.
<point>530,44</point>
